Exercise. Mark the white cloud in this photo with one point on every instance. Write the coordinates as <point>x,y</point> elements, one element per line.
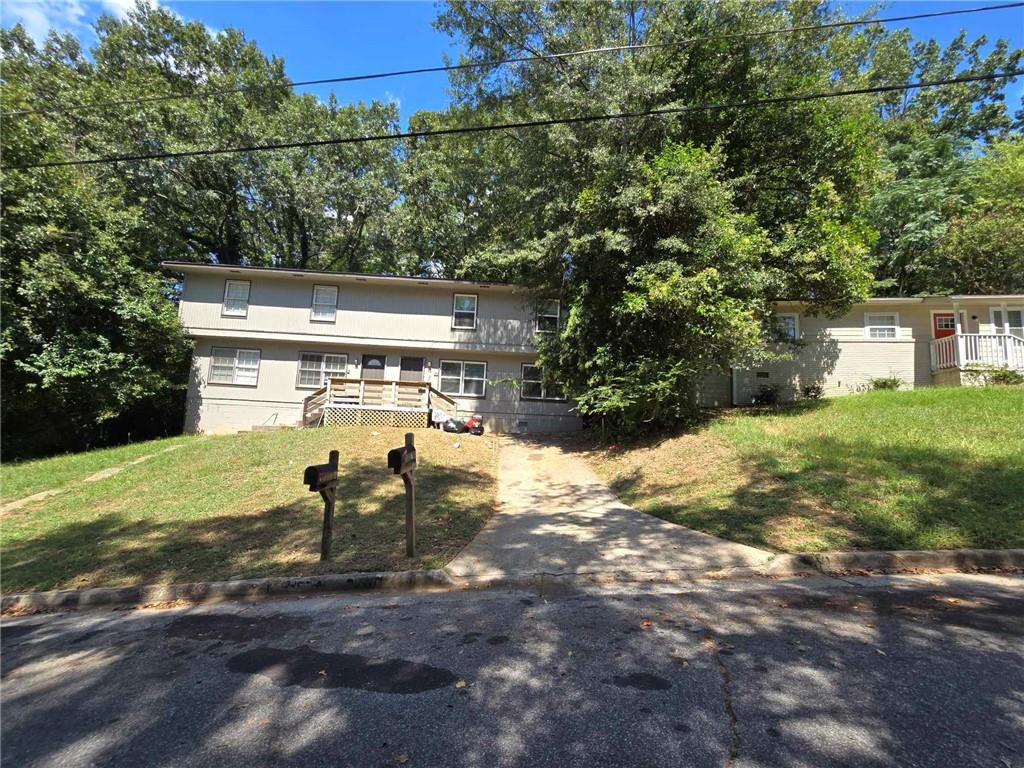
<point>75,16</point>
<point>118,8</point>
<point>39,17</point>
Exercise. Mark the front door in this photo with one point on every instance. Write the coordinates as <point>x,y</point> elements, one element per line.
<point>373,366</point>
<point>412,369</point>
<point>943,324</point>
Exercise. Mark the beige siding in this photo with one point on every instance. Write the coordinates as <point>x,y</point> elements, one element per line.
<point>389,315</point>
<point>838,355</point>
<point>277,398</point>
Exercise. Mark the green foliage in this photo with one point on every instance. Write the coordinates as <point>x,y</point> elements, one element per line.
<point>813,391</point>
<point>767,394</point>
<point>994,376</point>
<point>92,348</point>
<point>886,382</point>
<point>983,248</point>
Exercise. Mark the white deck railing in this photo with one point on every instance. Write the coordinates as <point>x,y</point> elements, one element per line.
<point>374,394</point>
<point>960,350</point>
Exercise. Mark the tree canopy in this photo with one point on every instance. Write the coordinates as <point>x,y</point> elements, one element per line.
<point>667,238</point>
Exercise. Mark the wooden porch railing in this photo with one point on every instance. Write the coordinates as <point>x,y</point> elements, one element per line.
<point>382,394</point>
<point>989,349</point>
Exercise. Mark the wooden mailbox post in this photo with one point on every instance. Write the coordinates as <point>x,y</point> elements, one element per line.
<point>403,462</point>
<point>324,478</point>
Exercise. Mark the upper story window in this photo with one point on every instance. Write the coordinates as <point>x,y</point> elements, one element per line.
<point>236,298</point>
<point>464,379</point>
<point>464,311</point>
<point>534,386</point>
<point>881,325</point>
<point>234,366</point>
<point>788,325</point>
<point>316,367</point>
<point>325,304</point>
<point>548,316</point>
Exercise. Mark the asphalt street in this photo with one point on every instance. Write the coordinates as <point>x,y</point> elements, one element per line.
<point>884,671</point>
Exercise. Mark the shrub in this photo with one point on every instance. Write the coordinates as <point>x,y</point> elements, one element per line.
<point>886,382</point>
<point>814,391</point>
<point>1006,376</point>
<point>768,394</point>
<point>994,376</point>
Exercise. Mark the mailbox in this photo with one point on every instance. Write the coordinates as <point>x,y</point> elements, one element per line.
<point>320,476</point>
<point>324,478</point>
<point>402,460</point>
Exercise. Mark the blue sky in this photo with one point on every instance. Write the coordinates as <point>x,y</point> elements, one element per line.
<point>330,39</point>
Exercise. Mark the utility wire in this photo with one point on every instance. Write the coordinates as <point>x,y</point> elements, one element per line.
<point>500,62</point>
<point>523,124</point>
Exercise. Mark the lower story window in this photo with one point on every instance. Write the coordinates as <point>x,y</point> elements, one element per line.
<point>461,378</point>
<point>879,325</point>
<point>234,366</point>
<point>316,367</point>
<point>535,387</point>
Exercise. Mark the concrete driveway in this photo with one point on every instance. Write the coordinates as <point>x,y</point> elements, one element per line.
<point>556,517</point>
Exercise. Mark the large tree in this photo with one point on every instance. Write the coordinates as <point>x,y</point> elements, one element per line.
<point>92,349</point>
<point>668,237</point>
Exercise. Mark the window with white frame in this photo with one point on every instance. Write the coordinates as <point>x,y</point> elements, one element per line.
<point>881,325</point>
<point>1014,317</point>
<point>316,367</point>
<point>945,323</point>
<point>236,298</point>
<point>548,316</point>
<point>788,325</point>
<point>464,379</point>
<point>234,366</point>
<point>464,311</point>
<point>325,304</point>
<point>534,386</point>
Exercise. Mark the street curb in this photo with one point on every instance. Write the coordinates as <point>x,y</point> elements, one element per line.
<point>776,566</point>
<point>898,561</point>
<point>212,591</point>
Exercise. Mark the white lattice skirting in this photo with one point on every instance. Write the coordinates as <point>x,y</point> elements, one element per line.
<point>371,417</point>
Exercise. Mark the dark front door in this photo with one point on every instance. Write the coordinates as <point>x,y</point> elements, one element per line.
<point>373,366</point>
<point>412,369</point>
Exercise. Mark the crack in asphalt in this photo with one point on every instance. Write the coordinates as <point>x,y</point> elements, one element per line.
<point>711,644</point>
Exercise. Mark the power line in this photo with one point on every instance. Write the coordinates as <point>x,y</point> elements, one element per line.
<point>524,124</point>
<point>500,62</point>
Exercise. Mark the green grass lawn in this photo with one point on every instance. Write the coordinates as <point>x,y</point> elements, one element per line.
<point>928,469</point>
<point>27,477</point>
<point>234,506</point>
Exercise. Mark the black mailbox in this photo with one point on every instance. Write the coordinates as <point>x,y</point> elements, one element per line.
<point>321,476</point>
<point>402,460</point>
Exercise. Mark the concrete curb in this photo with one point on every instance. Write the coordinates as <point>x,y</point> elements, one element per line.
<point>212,591</point>
<point>777,566</point>
<point>899,561</point>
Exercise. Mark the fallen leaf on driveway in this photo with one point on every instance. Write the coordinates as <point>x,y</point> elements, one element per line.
<point>461,683</point>
<point>646,623</point>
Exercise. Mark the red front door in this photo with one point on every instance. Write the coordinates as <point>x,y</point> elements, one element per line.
<point>943,324</point>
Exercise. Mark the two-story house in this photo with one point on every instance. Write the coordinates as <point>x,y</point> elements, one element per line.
<point>391,349</point>
<point>286,347</point>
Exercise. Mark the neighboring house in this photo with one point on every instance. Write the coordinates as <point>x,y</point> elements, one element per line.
<point>924,341</point>
<point>287,346</point>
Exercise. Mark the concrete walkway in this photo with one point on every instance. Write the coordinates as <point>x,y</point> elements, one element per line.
<point>555,516</point>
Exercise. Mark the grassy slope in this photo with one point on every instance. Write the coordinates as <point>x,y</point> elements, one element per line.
<point>929,469</point>
<point>235,506</point>
<point>27,477</point>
